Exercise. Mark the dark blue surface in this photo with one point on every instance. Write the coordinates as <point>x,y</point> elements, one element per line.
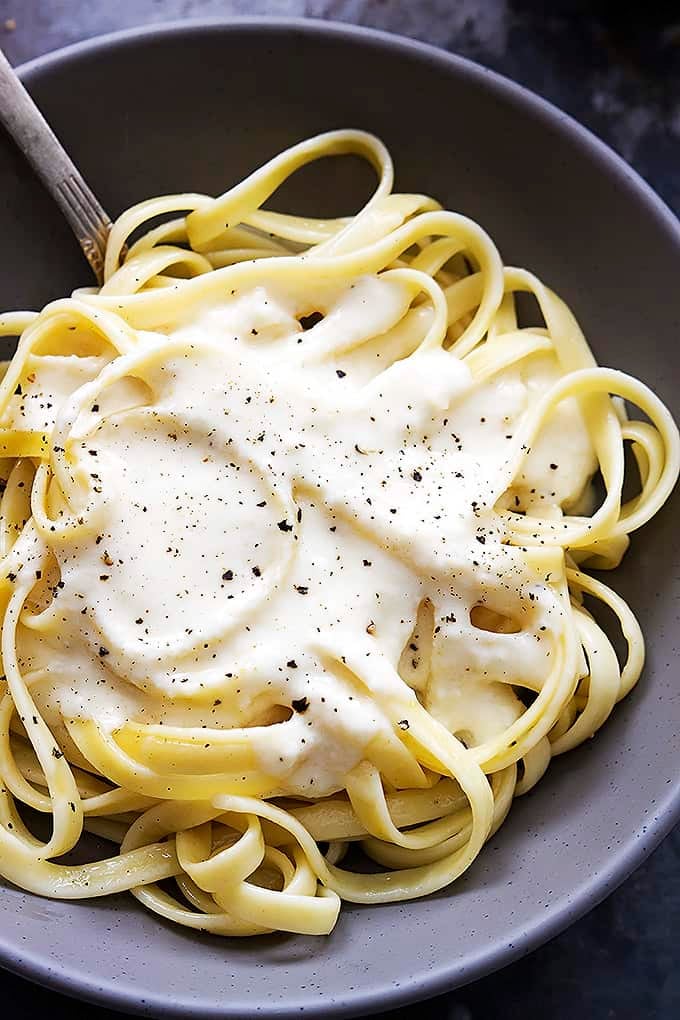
<point>615,66</point>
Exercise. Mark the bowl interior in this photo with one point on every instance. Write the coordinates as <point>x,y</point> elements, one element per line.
<point>195,108</point>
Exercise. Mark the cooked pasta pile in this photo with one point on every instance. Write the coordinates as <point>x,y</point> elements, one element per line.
<point>295,525</point>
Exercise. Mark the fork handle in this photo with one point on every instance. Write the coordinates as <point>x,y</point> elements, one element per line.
<point>55,168</point>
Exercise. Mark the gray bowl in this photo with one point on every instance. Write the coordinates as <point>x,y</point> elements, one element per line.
<point>196,106</point>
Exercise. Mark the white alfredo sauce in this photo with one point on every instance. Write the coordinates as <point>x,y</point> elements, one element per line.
<point>279,494</point>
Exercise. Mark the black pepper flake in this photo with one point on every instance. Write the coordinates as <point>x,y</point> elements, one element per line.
<point>284,526</point>
<point>417,477</point>
<point>553,467</point>
<point>403,724</point>
<point>56,753</point>
<point>11,576</point>
<point>308,321</point>
<point>139,620</point>
<point>103,651</point>
<point>263,503</point>
<point>367,563</point>
<point>257,571</point>
<point>299,515</point>
<point>301,589</point>
<point>340,374</point>
<point>95,408</point>
<point>228,575</point>
<point>104,577</point>
<point>17,391</point>
<point>300,704</point>
<point>292,664</point>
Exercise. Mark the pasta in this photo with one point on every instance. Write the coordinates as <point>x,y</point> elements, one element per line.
<point>295,530</point>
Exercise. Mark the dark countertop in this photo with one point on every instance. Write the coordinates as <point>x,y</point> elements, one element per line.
<point>615,66</point>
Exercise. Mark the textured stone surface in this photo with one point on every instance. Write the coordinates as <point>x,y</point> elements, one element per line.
<point>616,67</point>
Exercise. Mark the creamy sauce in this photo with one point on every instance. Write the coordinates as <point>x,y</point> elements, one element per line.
<point>266,495</point>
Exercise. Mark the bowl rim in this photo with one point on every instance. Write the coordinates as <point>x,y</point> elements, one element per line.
<point>108,992</point>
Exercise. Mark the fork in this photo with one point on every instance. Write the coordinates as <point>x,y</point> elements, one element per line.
<point>52,164</point>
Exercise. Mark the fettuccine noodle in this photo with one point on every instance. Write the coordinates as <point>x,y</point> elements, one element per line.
<point>295,529</point>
